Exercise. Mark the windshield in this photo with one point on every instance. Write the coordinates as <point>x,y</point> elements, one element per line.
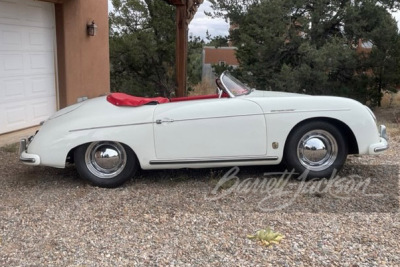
<point>233,85</point>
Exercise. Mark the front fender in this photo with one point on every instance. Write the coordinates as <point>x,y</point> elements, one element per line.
<point>283,115</point>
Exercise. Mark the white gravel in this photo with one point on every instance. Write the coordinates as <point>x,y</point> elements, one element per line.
<point>49,217</point>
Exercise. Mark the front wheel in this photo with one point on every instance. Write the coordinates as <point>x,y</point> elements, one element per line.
<point>317,149</point>
<point>105,164</point>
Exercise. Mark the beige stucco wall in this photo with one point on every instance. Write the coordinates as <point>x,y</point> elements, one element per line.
<point>83,61</point>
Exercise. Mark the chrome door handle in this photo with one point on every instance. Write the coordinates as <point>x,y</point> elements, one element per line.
<point>164,120</point>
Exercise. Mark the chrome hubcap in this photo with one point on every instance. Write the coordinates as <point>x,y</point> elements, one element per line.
<point>105,159</point>
<point>317,150</point>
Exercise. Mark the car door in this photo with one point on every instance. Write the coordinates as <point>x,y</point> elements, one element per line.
<point>216,128</point>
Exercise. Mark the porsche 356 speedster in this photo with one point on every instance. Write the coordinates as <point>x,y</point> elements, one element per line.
<point>110,137</point>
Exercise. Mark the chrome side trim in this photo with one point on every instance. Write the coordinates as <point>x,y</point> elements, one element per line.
<point>111,126</point>
<point>204,161</point>
<point>303,111</point>
<point>282,110</point>
<point>162,121</point>
<point>220,117</point>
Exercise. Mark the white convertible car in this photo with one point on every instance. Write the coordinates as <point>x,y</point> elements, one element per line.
<point>109,138</point>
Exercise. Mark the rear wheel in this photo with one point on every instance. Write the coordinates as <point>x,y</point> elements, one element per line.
<point>316,147</point>
<point>105,163</point>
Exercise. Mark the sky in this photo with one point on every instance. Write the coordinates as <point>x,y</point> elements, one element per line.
<point>201,23</point>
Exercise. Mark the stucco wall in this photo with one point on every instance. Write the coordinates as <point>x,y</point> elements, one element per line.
<point>83,61</point>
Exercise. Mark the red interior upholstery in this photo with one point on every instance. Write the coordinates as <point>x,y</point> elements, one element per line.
<point>197,97</point>
<point>121,99</point>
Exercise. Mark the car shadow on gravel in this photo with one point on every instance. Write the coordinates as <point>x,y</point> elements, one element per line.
<point>39,176</point>
<point>205,175</point>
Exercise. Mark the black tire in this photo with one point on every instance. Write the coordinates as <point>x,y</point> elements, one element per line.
<point>316,147</point>
<point>106,164</point>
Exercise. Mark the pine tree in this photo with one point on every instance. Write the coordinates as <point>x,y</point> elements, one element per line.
<point>142,47</point>
<point>314,46</point>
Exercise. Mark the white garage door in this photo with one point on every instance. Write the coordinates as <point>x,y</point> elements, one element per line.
<point>27,63</point>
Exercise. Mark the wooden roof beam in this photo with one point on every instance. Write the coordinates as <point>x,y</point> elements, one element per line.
<point>176,2</point>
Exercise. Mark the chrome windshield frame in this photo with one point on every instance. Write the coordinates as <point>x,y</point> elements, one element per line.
<point>234,80</point>
<point>231,95</point>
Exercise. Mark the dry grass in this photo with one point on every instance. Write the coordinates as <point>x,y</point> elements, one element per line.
<point>204,88</point>
<point>11,148</point>
<point>389,116</point>
<point>391,99</point>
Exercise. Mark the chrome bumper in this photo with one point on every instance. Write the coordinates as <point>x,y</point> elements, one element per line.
<point>29,159</point>
<point>383,144</point>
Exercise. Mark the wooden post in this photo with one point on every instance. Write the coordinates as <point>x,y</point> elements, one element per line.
<point>185,11</point>
<point>181,49</point>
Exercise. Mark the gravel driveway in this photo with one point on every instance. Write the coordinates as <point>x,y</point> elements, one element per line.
<point>49,217</point>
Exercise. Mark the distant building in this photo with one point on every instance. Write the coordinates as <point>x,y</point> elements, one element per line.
<point>215,56</point>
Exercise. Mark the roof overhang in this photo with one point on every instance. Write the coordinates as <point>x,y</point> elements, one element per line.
<point>54,1</point>
<point>176,2</point>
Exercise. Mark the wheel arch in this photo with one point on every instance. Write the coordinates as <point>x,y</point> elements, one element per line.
<point>70,154</point>
<point>343,128</point>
